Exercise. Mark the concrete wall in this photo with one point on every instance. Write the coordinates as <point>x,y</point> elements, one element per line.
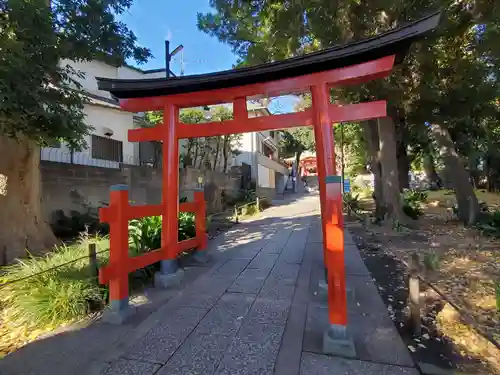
<point>71,187</point>
<point>269,193</point>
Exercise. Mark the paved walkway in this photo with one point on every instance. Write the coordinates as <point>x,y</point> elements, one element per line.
<point>254,309</point>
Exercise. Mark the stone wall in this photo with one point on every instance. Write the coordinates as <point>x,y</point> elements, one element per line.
<point>70,187</point>
<point>268,193</point>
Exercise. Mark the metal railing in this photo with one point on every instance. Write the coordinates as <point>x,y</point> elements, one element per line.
<point>59,155</point>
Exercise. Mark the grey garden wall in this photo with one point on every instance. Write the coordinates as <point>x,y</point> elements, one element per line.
<point>70,187</point>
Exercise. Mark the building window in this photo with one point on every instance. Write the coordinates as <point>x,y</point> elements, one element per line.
<point>107,149</point>
<point>150,153</point>
<point>267,151</point>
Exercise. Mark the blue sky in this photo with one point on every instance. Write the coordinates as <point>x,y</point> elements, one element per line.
<point>153,21</point>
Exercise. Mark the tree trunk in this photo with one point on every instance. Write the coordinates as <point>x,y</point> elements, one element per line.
<point>188,160</point>
<point>403,166</point>
<point>403,161</point>
<point>21,221</point>
<point>390,180</point>
<point>468,206</point>
<point>226,149</point>
<point>196,150</point>
<point>431,175</point>
<point>217,150</point>
<point>371,134</point>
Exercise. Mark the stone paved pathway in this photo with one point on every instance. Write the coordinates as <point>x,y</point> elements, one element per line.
<point>254,309</point>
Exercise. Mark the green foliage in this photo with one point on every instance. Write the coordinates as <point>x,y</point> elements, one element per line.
<point>295,141</point>
<point>351,202</point>
<point>450,78</point>
<point>84,220</point>
<point>432,261</point>
<point>489,223</point>
<point>187,227</point>
<point>351,135</point>
<point>55,297</point>
<point>145,233</point>
<point>192,116</point>
<point>251,209</point>
<point>412,202</point>
<point>41,98</point>
<point>249,195</point>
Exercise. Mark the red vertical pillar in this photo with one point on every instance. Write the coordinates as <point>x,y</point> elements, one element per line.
<point>331,205</point>
<point>118,245</point>
<point>200,220</point>
<point>170,181</point>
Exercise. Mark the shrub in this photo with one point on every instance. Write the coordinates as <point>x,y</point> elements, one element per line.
<point>432,261</point>
<point>55,297</point>
<point>145,233</point>
<point>187,226</point>
<point>249,196</point>
<point>412,202</point>
<point>489,223</point>
<point>251,209</point>
<point>351,201</point>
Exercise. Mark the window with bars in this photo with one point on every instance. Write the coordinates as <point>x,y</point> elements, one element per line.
<point>107,149</point>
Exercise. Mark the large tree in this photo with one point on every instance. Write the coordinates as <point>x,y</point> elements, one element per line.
<point>449,79</point>
<point>42,100</point>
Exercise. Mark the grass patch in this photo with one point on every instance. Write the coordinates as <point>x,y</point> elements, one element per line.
<point>56,297</point>
<point>432,261</point>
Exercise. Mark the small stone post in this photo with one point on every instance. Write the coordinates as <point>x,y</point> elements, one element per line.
<point>94,267</point>
<point>414,295</point>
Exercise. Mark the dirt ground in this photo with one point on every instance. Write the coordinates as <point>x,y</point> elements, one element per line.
<point>467,265</point>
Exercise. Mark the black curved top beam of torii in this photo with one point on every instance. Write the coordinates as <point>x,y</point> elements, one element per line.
<point>394,42</point>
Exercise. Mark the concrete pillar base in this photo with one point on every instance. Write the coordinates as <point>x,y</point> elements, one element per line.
<point>170,274</point>
<point>338,341</point>
<point>200,257</point>
<point>118,311</point>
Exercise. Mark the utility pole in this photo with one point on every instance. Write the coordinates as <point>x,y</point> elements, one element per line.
<point>168,57</point>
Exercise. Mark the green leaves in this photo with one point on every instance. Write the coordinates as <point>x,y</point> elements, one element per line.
<point>297,140</point>
<point>41,98</point>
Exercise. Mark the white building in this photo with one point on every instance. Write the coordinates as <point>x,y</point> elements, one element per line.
<point>107,146</point>
<point>260,151</point>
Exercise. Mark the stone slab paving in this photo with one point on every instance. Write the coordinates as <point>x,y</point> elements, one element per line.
<point>254,309</point>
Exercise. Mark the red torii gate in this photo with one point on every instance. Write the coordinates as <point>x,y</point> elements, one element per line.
<point>318,72</point>
<point>309,163</point>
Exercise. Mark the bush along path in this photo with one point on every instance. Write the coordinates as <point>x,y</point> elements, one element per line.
<point>41,294</point>
<point>433,351</point>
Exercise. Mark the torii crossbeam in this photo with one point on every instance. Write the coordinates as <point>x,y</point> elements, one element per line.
<point>318,73</point>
